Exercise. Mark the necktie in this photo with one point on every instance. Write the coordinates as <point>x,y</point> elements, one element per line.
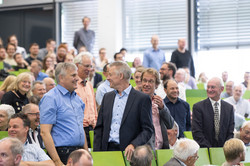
<point>216,120</point>
<point>33,135</point>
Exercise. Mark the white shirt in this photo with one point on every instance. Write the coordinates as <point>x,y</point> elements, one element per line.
<point>219,104</point>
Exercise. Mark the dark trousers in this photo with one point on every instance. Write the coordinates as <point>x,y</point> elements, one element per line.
<point>64,152</point>
<point>87,129</point>
<point>113,146</point>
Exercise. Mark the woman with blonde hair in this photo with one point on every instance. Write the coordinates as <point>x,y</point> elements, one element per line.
<point>17,97</point>
<point>6,83</point>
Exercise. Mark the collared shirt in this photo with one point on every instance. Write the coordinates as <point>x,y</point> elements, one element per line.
<point>41,76</point>
<point>183,164</point>
<point>87,95</point>
<point>180,111</point>
<point>118,110</point>
<point>65,111</point>
<point>33,135</point>
<point>242,106</point>
<point>33,152</point>
<point>10,61</point>
<point>172,147</point>
<point>153,58</point>
<point>101,90</point>
<point>219,104</point>
<point>157,126</point>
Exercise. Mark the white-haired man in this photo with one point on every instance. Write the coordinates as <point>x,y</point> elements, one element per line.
<point>185,153</point>
<point>244,133</point>
<point>173,135</point>
<point>6,111</point>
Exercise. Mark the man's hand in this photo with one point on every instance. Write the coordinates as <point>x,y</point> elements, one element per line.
<point>158,100</point>
<point>129,151</point>
<point>58,163</point>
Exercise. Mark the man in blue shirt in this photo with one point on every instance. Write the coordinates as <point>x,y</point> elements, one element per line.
<point>179,109</point>
<point>36,69</point>
<point>61,116</point>
<point>154,57</point>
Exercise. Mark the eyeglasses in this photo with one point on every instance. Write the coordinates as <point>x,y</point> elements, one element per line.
<point>87,66</point>
<point>149,81</point>
<point>34,114</point>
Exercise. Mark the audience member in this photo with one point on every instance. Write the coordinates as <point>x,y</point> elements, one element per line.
<point>36,68</point>
<point>137,78</point>
<point>69,58</point>
<point>80,157</point>
<point>49,83</point>
<point>154,57</point>
<point>119,113</point>
<point>49,66</point>
<point>10,50</point>
<point>13,40</point>
<point>84,36</point>
<point>234,151</point>
<point>38,89</point>
<point>86,92</point>
<point>180,77</point>
<point>11,151</point>
<point>34,100</point>
<point>244,133</point>
<point>179,109</point>
<point>224,76</point>
<point>50,48</point>
<point>82,49</point>
<point>118,57</point>
<point>21,63</point>
<point>34,50</point>
<point>19,125</point>
<point>190,80</point>
<point>103,87</point>
<point>6,111</point>
<point>242,106</point>
<point>185,153</point>
<point>142,156</point>
<point>1,42</point>
<point>246,79</point>
<point>6,85</point>
<point>17,98</point>
<point>214,110</point>
<point>173,135</point>
<point>123,51</point>
<point>162,119</point>
<point>203,79</point>
<point>94,77</point>
<point>61,116</point>
<point>183,58</point>
<point>6,66</point>
<point>229,90</point>
<point>102,60</point>
<point>136,63</point>
<point>61,53</point>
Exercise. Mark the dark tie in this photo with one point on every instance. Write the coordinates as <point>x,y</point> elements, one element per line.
<point>216,120</point>
<point>33,135</point>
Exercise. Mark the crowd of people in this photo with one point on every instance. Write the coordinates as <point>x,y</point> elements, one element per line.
<point>53,105</point>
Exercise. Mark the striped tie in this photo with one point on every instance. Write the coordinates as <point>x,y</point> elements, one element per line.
<point>216,120</point>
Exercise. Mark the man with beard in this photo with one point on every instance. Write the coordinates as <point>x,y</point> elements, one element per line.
<point>61,53</point>
<point>34,50</point>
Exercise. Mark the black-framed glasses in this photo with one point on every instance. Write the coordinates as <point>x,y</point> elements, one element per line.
<point>34,114</point>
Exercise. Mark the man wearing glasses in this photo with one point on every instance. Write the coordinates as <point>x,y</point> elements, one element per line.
<point>33,114</point>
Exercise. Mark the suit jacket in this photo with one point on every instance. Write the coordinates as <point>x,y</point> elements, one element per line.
<point>136,125</point>
<point>39,138</point>
<point>203,124</point>
<point>97,79</point>
<point>173,162</point>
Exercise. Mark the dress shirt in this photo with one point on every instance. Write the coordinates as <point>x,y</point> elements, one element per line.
<point>33,135</point>
<point>157,126</point>
<point>242,106</point>
<point>219,104</point>
<point>10,61</point>
<point>87,95</point>
<point>30,59</point>
<point>118,110</point>
<point>180,111</point>
<point>33,152</point>
<point>85,38</point>
<point>153,58</point>
<point>65,111</point>
<point>41,76</point>
<point>101,90</point>
<point>22,51</point>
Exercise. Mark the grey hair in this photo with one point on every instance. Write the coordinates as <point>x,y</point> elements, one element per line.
<point>185,148</point>
<point>81,55</point>
<point>122,67</point>
<point>37,82</point>
<point>142,156</point>
<point>246,123</point>
<point>183,72</point>
<point>16,146</point>
<point>8,109</point>
<point>62,68</point>
<point>242,87</point>
<point>27,107</point>
<point>176,127</point>
<point>219,80</point>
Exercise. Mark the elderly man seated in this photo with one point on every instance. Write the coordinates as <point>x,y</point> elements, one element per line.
<point>80,157</point>
<point>173,135</point>
<point>244,133</point>
<point>6,111</point>
<point>234,151</point>
<point>142,156</point>
<point>185,153</point>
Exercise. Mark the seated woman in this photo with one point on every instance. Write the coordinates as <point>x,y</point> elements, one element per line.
<point>6,84</point>
<point>6,111</point>
<point>137,78</point>
<point>17,98</point>
<point>49,66</point>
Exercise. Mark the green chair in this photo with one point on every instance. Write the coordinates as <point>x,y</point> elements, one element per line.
<point>188,134</point>
<point>192,100</point>
<point>128,164</point>
<point>196,93</point>
<point>3,134</point>
<point>103,77</point>
<point>246,164</point>
<point>200,86</point>
<point>246,94</point>
<point>163,156</point>
<point>216,156</point>
<point>108,158</point>
<point>132,82</point>
<point>91,138</point>
<point>203,157</point>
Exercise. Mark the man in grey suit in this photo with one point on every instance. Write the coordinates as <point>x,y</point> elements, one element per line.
<point>84,36</point>
<point>185,153</point>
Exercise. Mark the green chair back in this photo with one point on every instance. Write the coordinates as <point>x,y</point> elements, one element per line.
<point>91,138</point>
<point>216,156</point>
<point>132,82</point>
<point>114,158</point>
<point>163,156</point>
<point>246,164</point>
<point>203,157</point>
<point>196,93</point>
<point>127,163</point>
<point>200,86</point>
<point>3,134</point>
<point>130,64</point>
<point>247,156</point>
<point>188,134</point>
<point>192,100</point>
<point>246,94</point>
<point>103,77</point>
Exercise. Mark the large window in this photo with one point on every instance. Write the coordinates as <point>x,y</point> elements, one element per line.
<point>144,18</point>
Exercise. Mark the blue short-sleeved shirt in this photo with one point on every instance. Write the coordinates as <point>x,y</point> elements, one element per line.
<point>41,76</point>
<point>65,111</point>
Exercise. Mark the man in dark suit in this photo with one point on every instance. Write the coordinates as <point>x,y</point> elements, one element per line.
<point>84,36</point>
<point>125,117</point>
<point>213,118</point>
